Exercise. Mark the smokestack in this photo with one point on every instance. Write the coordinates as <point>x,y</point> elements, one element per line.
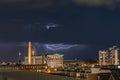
<point>29,52</point>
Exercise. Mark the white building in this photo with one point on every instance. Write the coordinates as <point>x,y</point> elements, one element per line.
<point>35,60</point>
<point>52,60</point>
<point>55,60</point>
<point>109,57</point>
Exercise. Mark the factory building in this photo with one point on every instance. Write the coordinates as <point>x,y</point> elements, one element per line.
<point>34,60</point>
<point>51,60</point>
<point>109,57</point>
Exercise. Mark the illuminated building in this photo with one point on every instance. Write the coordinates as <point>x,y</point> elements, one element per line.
<point>55,60</point>
<point>89,63</point>
<point>103,60</point>
<point>52,60</point>
<point>34,60</point>
<point>109,57</point>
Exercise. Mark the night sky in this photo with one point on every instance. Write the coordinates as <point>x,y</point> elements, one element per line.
<point>75,28</point>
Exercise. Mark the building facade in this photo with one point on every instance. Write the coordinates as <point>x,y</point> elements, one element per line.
<point>34,60</point>
<point>109,57</point>
<point>52,60</point>
<point>55,60</point>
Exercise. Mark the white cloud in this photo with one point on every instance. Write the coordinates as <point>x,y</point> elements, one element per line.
<point>39,26</point>
<point>51,25</point>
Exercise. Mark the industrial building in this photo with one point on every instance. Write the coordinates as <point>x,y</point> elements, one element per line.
<point>109,57</point>
<point>34,60</point>
<point>51,60</point>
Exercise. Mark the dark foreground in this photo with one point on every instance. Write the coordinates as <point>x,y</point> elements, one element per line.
<point>27,75</point>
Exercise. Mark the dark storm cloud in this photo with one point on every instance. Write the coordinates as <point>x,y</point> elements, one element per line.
<point>9,51</point>
<point>38,26</point>
<point>24,20</point>
<point>12,1</point>
<point>70,51</point>
<point>44,3</point>
<point>95,2</point>
<point>79,25</point>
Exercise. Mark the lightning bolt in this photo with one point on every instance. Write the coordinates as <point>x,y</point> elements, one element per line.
<point>59,46</point>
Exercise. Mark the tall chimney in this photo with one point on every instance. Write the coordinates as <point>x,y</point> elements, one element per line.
<point>29,52</point>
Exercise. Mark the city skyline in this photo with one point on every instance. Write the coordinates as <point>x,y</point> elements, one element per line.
<point>78,28</point>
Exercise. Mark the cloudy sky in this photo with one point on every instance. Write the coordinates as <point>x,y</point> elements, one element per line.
<point>75,28</point>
